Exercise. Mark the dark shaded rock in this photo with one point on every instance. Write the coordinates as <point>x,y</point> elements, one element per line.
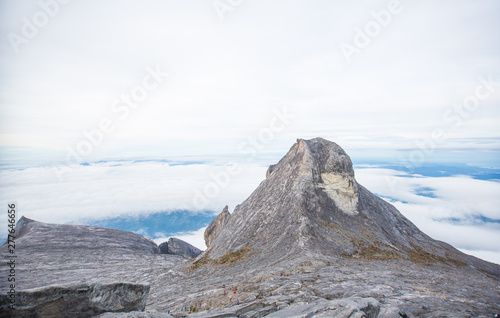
<point>77,301</point>
<point>270,170</point>
<point>175,246</point>
<point>216,226</point>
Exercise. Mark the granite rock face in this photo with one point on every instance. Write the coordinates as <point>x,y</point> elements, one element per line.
<point>216,226</point>
<point>78,301</point>
<point>175,246</point>
<point>311,204</point>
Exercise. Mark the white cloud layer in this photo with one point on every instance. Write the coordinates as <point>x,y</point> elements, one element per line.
<point>106,190</point>
<point>112,189</point>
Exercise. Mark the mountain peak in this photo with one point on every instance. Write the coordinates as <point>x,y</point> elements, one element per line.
<point>311,203</point>
<point>324,165</point>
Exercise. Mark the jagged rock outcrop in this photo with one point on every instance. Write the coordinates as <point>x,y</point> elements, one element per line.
<point>175,246</point>
<point>216,226</point>
<point>311,204</point>
<point>79,301</point>
<point>270,170</point>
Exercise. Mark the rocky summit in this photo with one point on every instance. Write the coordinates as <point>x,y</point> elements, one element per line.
<point>310,204</point>
<point>308,242</point>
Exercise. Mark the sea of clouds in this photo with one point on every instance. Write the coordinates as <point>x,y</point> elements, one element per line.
<point>458,209</point>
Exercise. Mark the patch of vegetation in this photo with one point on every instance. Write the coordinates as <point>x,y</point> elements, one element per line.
<point>418,255</point>
<point>229,258</point>
<point>370,251</point>
<point>204,260</point>
<point>233,257</point>
<point>365,249</point>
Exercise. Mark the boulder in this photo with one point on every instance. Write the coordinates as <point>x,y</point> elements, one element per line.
<point>175,246</point>
<point>79,301</point>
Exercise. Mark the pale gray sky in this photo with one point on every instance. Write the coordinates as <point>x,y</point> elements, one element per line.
<point>228,77</point>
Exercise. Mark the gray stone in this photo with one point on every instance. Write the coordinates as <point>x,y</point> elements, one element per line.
<point>136,314</point>
<point>78,301</point>
<point>216,226</point>
<point>175,246</point>
<point>341,308</point>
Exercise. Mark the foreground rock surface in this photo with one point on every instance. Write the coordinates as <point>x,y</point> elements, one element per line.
<point>78,301</point>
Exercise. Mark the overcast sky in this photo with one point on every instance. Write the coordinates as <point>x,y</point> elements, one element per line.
<point>377,74</point>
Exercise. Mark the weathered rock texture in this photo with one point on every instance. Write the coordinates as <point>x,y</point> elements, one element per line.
<point>311,204</point>
<point>175,246</point>
<point>77,301</point>
<point>216,226</point>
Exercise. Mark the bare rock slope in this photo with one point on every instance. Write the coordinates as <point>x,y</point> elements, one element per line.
<point>310,203</point>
